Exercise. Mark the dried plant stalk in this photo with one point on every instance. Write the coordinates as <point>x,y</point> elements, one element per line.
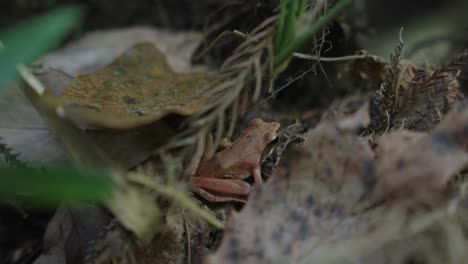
<point>250,62</point>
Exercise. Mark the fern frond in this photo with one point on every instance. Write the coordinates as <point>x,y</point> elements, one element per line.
<point>11,158</point>
<point>383,102</point>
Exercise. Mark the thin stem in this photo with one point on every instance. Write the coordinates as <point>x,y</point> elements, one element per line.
<point>335,59</point>
<point>286,52</point>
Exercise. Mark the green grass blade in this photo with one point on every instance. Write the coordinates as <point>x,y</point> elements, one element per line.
<point>302,8</point>
<point>25,42</point>
<point>282,18</point>
<point>53,186</point>
<point>290,26</point>
<point>285,53</point>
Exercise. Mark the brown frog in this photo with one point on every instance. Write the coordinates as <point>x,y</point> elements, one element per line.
<point>220,177</point>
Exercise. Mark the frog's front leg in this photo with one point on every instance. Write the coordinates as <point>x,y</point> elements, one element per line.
<point>257,174</point>
<point>220,190</point>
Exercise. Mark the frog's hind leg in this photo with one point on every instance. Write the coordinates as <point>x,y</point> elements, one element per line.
<point>214,198</point>
<point>220,190</point>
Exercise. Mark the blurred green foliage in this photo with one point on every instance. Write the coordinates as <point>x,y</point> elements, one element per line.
<point>54,185</point>
<point>25,42</point>
<point>22,44</point>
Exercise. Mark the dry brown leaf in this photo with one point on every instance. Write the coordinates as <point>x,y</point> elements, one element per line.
<point>286,218</point>
<point>137,89</point>
<point>321,214</point>
<point>418,166</point>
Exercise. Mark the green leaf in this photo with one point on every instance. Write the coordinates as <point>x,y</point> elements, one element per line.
<point>25,42</point>
<point>53,186</point>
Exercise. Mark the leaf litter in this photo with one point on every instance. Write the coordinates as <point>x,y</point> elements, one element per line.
<point>376,185</point>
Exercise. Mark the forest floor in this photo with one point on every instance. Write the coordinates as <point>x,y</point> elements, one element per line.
<point>354,150</point>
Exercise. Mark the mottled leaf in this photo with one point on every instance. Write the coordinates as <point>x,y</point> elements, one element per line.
<point>418,166</point>
<point>136,89</point>
<point>325,210</point>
